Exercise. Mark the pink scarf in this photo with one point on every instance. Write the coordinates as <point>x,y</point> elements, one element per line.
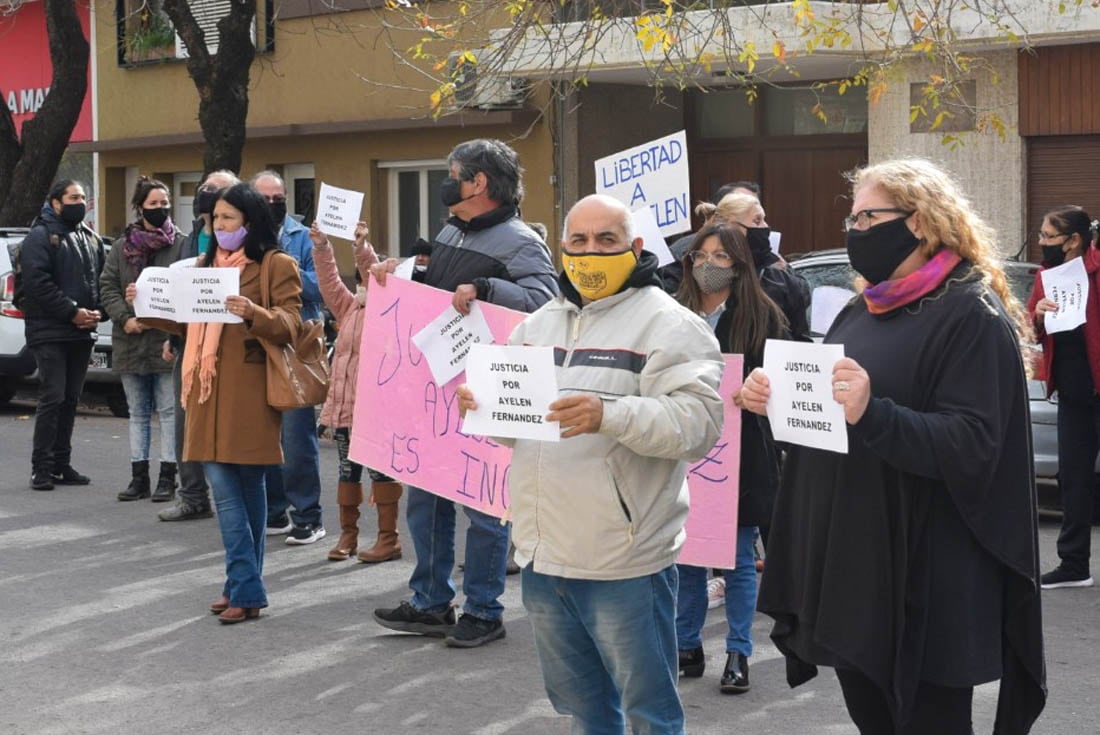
<point>889,295</point>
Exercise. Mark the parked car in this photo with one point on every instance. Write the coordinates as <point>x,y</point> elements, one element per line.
<point>17,366</point>
<point>831,268</point>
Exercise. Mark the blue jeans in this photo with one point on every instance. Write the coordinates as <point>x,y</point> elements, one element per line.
<point>143,394</point>
<point>607,647</point>
<point>297,482</point>
<point>432,527</point>
<point>691,607</point>
<point>242,514</point>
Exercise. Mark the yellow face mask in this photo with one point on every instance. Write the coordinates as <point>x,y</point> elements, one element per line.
<point>598,275</point>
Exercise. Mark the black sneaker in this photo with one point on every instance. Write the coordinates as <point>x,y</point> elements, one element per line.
<point>41,481</point>
<point>182,511</point>
<point>280,526</point>
<point>1062,577</point>
<point>68,476</point>
<point>307,534</point>
<point>472,632</point>
<point>407,619</point>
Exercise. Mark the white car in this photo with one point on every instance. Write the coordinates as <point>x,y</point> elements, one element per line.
<point>17,366</point>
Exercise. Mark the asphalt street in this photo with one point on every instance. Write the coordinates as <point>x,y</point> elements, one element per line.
<point>105,630</point>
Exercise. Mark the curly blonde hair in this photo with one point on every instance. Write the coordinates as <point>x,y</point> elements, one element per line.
<point>947,220</point>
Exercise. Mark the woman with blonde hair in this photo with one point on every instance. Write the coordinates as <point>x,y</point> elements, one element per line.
<point>910,564</point>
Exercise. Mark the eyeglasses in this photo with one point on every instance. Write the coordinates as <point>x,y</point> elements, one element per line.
<point>862,219</point>
<point>1048,236</point>
<point>720,258</point>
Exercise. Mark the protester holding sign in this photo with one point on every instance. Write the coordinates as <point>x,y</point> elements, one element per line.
<point>1071,366</point>
<point>484,252</point>
<point>231,428</point>
<point>151,240</point>
<point>599,516</point>
<point>909,563</point>
<point>787,288</point>
<point>723,288</point>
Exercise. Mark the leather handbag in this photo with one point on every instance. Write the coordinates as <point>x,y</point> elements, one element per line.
<point>297,372</point>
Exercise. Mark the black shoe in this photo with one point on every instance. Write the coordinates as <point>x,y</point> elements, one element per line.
<point>166,483</point>
<point>307,534</point>
<point>407,619</point>
<point>472,632</point>
<point>735,677</point>
<point>692,663</point>
<point>183,511</point>
<point>41,481</point>
<point>1062,577</point>
<point>68,476</point>
<point>278,526</point>
<point>139,486</point>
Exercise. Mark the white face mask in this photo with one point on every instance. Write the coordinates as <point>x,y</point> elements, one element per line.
<point>420,268</point>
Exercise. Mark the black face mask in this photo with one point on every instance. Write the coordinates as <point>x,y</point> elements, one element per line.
<point>204,203</point>
<point>278,212</point>
<point>1053,255</point>
<point>156,217</point>
<point>73,214</point>
<point>877,252</point>
<point>759,239</point>
<point>450,192</point>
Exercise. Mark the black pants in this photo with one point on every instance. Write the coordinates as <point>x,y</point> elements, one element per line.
<point>1078,441</point>
<point>349,471</point>
<point>61,369</point>
<point>938,709</point>
<point>193,489</point>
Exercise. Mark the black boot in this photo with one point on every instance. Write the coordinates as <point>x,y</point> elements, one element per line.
<point>735,677</point>
<point>166,483</point>
<point>139,484</point>
<point>692,663</point>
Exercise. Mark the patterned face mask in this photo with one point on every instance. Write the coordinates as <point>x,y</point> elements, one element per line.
<point>712,278</point>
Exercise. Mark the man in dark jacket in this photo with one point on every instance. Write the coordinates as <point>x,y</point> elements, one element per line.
<point>484,252</point>
<point>61,259</point>
<point>193,496</point>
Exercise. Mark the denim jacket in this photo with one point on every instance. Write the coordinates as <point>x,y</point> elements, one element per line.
<point>294,238</point>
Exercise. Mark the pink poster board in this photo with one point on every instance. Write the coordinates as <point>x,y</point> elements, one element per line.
<point>407,426</point>
<point>713,482</point>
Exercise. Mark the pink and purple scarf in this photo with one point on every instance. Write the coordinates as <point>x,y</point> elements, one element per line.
<point>139,243</point>
<point>889,295</point>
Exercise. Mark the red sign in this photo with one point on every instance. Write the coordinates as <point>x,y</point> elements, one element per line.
<point>25,68</point>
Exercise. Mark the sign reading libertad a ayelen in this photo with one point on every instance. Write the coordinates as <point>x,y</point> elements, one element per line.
<point>338,211</point>
<point>514,387</point>
<point>186,294</point>
<point>801,408</point>
<point>653,175</point>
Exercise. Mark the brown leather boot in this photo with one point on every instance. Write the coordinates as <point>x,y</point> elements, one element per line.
<point>387,548</point>
<point>349,495</point>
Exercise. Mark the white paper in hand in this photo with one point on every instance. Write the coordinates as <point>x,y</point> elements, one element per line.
<point>405,269</point>
<point>338,211</point>
<point>646,227</point>
<point>1068,287</point>
<point>514,387</point>
<point>447,340</point>
<point>801,408</point>
<point>826,302</point>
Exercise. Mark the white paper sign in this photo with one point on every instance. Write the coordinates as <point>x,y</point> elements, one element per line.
<point>1068,287</point>
<point>405,269</point>
<point>645,227</point>
<point>447,340</point>
<point>825,303</point>
<point>185,263</point>
<point>653,175</point>
<point>338,211</point>
<point>514,387</point>
<point>187,294</point>
<point>801,408</point>
<point>773,240</point>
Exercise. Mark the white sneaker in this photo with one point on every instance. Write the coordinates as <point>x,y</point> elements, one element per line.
<point>716,592</point>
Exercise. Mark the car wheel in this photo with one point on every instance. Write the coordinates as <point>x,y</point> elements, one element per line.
<point>116,402</point>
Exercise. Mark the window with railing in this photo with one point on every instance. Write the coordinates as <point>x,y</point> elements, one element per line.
<point>146,34</point>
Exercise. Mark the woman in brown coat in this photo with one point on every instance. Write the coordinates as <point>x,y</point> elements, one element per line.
<point>230,428</point>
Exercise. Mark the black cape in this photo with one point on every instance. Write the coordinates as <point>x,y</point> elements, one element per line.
<point>915,556</point>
